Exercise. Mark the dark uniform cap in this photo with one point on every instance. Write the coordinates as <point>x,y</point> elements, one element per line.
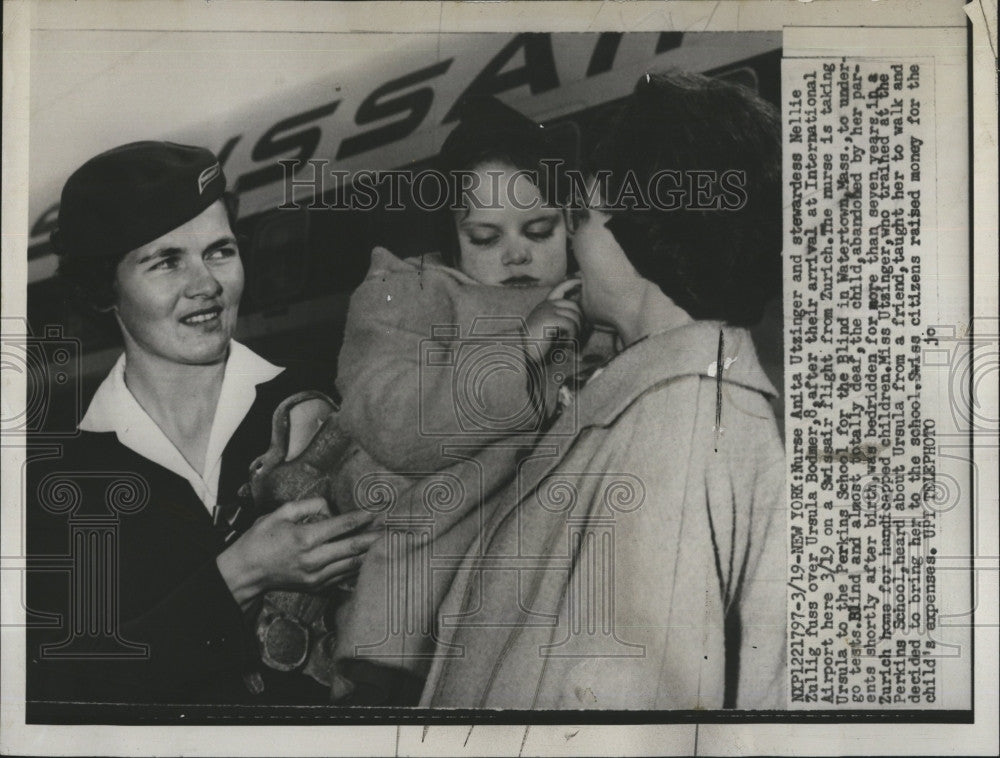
<point>130,195</point>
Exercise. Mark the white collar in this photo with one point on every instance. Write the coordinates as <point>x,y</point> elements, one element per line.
<point>115,409</point>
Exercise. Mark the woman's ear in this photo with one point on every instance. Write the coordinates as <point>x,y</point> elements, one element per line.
<point>110,303</point>
<point>106,309</point>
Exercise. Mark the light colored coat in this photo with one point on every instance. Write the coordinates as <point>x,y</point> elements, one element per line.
<point>399,399</point>
<point>638,560</point>
<point>401,403</point>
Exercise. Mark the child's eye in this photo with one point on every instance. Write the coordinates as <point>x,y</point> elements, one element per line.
<point>540,231</point>
<point>483,241</point>
<point>540,234</point>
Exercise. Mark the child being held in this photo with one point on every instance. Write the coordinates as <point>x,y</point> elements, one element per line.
<point>449,357</point>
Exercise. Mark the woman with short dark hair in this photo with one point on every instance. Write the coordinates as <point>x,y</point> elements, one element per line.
<point>705,156</point>
<point>638,561</point>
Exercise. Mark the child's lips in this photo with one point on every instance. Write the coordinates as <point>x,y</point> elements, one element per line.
<point>520,281</point>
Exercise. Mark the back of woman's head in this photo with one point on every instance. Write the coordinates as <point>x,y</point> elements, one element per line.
<point>698,163</point>
<point>492,133</point>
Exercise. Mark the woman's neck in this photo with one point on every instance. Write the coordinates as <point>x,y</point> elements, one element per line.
<point>649,313</point>
<point>180,398</point>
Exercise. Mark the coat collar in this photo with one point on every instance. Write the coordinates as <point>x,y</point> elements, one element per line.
<point>477,309</point>
<point>688,350</point>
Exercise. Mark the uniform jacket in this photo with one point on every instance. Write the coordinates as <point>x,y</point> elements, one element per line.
<point>170,596</point>
<point>637,561</point>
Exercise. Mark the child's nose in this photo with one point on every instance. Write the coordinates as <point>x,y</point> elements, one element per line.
<point>517,255</point>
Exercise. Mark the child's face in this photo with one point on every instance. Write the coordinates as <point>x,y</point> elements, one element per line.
<point>507,237</point>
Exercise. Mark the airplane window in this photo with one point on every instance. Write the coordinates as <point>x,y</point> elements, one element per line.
<point>276,266</point>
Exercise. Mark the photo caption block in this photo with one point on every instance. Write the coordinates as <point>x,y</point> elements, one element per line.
<point>861,436</point>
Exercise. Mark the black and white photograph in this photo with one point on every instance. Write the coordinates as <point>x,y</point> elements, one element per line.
<point>468,378</point>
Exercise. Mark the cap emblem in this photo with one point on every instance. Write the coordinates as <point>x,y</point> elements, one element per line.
<point>208,175</point>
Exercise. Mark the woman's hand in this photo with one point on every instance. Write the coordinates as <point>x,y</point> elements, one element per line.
<point>283,549</point>
<point>556,317</point>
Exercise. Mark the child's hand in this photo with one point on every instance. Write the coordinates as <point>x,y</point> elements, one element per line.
<point>556,317</point>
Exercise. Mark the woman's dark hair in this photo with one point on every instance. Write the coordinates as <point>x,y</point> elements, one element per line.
<point>717,254</point>
<point>491,132</point>
<point>90,279</point>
